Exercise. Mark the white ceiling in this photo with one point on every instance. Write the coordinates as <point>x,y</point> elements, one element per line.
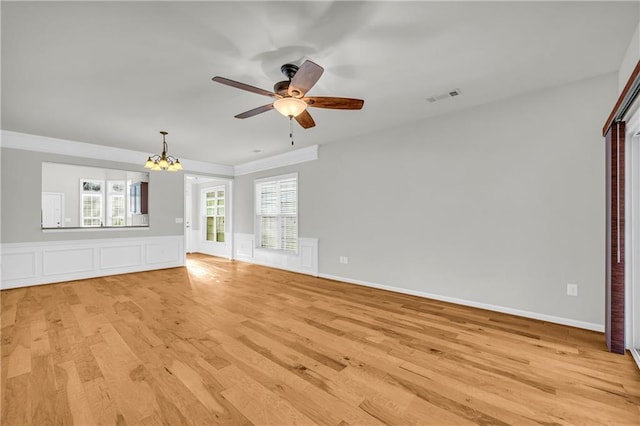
<point>116,73</point>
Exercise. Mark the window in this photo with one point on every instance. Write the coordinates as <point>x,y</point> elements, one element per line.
<point>277,212</point>
<point>115,203</point>
<point>214,200</point>
<point>91,210</point>
<point>91,202</point>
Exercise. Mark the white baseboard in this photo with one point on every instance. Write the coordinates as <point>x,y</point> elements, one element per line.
<point>45,262</point>
<point>304,262</point>
<point>489,307</point>
<point>635,353</point>
<point>214,249</point>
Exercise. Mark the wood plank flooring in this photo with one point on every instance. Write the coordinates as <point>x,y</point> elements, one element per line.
<point>235,343</point>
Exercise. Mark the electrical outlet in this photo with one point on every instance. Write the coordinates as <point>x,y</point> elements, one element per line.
<point>343,259</point>
<point>572,289</point>
<point>179,220</point>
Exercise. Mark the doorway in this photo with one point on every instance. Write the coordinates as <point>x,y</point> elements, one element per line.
<point>208,226</point>
<point>52,210</point>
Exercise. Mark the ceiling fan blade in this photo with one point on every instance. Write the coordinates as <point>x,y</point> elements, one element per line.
<point>304,79</point>
<point>334,103</point>
<point>255,111</point>
<point>243,86</point>
<point>305,120</point>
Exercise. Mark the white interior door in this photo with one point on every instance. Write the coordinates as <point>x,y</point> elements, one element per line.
<point>52,210</point>
<point>214,217</point>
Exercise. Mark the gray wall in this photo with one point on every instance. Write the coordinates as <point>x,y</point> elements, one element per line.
<point>21,198</point>
<point>501,204</point>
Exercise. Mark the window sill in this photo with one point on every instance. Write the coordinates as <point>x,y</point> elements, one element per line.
<point>96,228</point>
<point>277,251</point>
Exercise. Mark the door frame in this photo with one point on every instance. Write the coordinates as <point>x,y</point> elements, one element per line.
<point>195,180</point>
<point>217,248</point>
<point>632,237</point>
<point>188,216</point>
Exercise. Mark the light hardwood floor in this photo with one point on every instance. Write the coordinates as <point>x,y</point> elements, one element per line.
<point>229,342</point>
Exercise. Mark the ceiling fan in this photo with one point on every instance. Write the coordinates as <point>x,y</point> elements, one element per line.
<point>290,95</point>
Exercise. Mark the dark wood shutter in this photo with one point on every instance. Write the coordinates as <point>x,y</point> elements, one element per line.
<point>614,133</point>
<point>614,296</point>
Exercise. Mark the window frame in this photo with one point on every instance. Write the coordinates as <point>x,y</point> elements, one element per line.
<point>216,206</point>
<point>92,188</point>
<point>279,216</point>
<point>111,194</point>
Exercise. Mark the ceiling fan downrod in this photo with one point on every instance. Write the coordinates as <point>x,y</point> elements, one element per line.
<point>289,70</point>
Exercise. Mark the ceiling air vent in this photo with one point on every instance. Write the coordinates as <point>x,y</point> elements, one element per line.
<point>449,94</point>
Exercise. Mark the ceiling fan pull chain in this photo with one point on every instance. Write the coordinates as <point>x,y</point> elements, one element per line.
<point>291,128</point>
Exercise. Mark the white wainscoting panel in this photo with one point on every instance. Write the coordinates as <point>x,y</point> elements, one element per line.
<point>305,261</point>
<point>244,247</point>
<point>307,253</point>
<point>19,265</point>
<point>25,264</point>
<point>57,261</point>
<point>120,256</point>
<point>163,252</point>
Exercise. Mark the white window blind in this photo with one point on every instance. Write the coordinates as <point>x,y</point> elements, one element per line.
<point>277,213</point>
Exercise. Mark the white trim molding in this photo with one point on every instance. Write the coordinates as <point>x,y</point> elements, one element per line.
<point>304,262</point>
<point>288,158</point>
<point>38,143</point>
<point>471,303</point>
<point>632,235</point>
<point>44,262</point>
<point>635,353</point>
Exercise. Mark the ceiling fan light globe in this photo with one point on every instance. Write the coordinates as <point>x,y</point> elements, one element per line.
<point>290,107</point>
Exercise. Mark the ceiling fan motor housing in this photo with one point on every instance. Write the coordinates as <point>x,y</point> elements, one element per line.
<point>281,88</point>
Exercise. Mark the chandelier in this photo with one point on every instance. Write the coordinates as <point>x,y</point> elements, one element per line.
<point>163,161</point>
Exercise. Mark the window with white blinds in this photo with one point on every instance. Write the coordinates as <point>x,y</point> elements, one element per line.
<point>277,213</point>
